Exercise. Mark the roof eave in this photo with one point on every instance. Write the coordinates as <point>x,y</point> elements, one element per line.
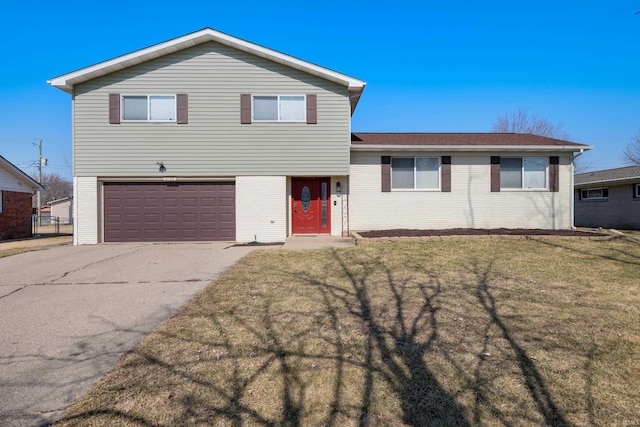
<point>478,148</point>
<point>626,180</point>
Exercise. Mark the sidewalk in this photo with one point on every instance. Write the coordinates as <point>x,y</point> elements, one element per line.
<point>317,242</point>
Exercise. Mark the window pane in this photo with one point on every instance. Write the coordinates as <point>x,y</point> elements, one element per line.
<point>134,108</point>
<point>427,172</point>
<point>535,172</point>
<point>402,173</point>
<point>292,108</point>
<point>265,108</point>
<point>510,172</point>
<point>162,107</point>
<point>594,194</point>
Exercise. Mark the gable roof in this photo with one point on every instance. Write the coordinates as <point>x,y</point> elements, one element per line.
<point>461,142</point>
<point>629,173</point>
<point>66,82</point>
<point>19,174</point>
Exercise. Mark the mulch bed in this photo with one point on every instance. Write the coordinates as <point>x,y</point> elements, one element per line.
<point>478,232</point>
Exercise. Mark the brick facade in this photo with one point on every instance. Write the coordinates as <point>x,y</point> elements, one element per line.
<point>15,218</point>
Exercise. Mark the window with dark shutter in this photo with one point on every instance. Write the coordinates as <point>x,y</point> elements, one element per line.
<point>554,174</point>
<point>182,106</point>
<point>495,174</point>
<point>114,108</point>
<point>385,162</point>
<point>312,109</point>
<point>445,172</point>
<point>245,108</point>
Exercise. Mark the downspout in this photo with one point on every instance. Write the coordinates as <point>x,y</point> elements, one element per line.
<point>573,190</point>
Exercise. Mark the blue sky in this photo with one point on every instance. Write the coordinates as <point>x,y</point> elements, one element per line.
<point>430,66</point>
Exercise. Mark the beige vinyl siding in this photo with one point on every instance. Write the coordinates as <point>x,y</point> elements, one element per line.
<point>620,210</point>
<point>470,204</point>
<point>213,143</point>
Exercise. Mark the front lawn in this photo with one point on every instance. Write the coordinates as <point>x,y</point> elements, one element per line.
<point>433,333</point>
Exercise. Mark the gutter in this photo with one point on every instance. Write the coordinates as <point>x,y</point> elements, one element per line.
<point>389,147</point>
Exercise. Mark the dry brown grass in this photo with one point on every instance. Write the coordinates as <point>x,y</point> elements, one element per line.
<point>14,251</point>
<point>436,333</point>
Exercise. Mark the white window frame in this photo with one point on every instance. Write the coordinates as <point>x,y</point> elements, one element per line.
<point>149,96</point>
<point>415,180</point>
<point>637,192</point>
<point>278,120</point>
<point>522,171</point>
<point>584,193</point>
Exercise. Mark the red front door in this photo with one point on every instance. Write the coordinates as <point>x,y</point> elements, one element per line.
<point>310,206</point>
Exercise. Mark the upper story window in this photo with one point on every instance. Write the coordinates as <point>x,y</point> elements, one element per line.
<point>409,173</point>
<point>594,193</point>
<point>149,108</point>
<point>280,108</point>
<point>523,172</point>
<point>637,191</point>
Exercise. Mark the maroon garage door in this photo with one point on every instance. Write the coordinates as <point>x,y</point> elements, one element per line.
<point>153,212</point>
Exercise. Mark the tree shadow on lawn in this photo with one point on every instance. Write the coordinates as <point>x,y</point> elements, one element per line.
<point>627,251</point>
<point>369,345</point>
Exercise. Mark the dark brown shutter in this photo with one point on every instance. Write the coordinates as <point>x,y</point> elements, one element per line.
<point>245,108</point>
<point>312,109</point>
<point>554,174</point>
<point>495,174</point>
<point>182,104</point>
<point>114,108</point>
<point>385,161</point>
<point>445,172</point>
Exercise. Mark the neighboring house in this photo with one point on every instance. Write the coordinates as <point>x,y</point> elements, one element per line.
<point>210,137</point>
<point>62,209</point>
<point>609,198</point>
<point>16,190</point>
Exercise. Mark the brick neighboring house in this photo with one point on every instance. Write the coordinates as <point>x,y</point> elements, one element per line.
<point>16,190</point>
<point>608,198</point>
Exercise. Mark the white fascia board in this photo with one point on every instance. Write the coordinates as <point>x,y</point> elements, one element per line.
<point>67,81</point>
<point>491,148</point>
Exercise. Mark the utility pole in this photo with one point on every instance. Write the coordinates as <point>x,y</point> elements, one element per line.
<point>41,162</point>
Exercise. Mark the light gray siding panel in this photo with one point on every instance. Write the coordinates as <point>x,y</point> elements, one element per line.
<point>213,143</point>
<point>620,210</point>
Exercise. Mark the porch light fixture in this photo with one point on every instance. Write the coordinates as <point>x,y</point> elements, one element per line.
<point>161,167</point>
<point>338,187</point>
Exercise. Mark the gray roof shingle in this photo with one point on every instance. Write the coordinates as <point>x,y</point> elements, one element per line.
<point>459,139</point>
<point>618,174</point>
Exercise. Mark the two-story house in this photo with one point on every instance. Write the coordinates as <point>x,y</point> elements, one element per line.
<point>210,137</point>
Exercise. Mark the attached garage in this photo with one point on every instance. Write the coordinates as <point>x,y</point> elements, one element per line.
<point>165,212</point>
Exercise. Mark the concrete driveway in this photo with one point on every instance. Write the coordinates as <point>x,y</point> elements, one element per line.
<point>68,312</point>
